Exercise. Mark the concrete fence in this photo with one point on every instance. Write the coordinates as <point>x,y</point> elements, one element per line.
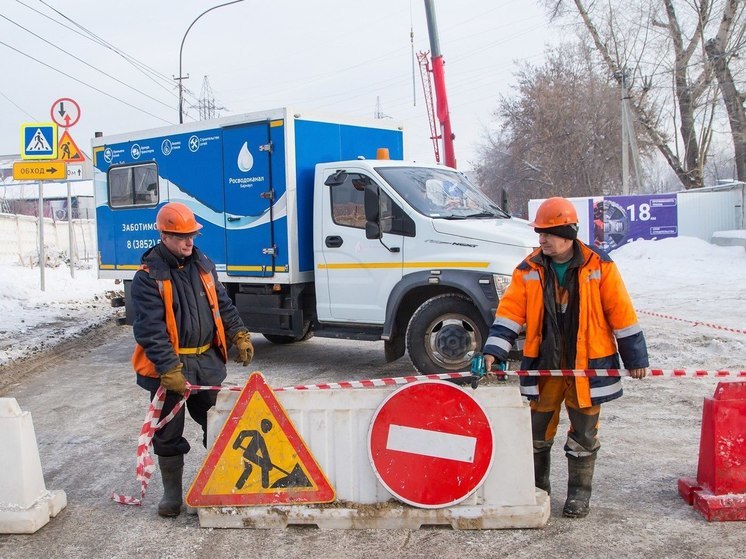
<point>19,239</point>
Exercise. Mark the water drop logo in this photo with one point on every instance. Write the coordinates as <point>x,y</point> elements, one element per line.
<point>245,159</point>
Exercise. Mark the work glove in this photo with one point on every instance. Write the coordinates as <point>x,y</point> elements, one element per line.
<point>495,366</point>
<point>174,380</point>
<point>242,341</point>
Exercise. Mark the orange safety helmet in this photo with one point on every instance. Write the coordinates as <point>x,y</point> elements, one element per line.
<point>555,212</point>
<point>175,217</point>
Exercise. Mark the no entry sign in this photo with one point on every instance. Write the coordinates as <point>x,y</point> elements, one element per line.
<point>430,444</point>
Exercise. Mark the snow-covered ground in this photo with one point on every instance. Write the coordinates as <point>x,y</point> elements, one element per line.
<point>32,320</point>
<point>689,280</point>
<point>89,401</point>
<point>684,278</point>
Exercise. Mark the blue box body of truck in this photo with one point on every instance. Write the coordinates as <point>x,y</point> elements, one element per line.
<point>248,179</point>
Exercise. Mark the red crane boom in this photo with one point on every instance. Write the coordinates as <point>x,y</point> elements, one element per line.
<point>442,112</point>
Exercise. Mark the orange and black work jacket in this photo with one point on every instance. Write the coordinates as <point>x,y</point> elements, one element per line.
<point>178,304</point>
<point>598,323</point>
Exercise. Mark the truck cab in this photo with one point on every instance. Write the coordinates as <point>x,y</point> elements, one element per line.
<point>416,254</point>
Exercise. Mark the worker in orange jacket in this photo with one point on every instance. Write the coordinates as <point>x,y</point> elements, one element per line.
<point>577,314</point>
<point>183,319</point>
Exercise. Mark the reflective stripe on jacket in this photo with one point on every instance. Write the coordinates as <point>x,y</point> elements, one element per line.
<point>607,324</point>
<point>144,366</point>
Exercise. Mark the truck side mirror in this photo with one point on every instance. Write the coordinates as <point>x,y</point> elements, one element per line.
<point>337,178</point>
<point>372,227</point>
<point>372,230</point>
<point>371,202</point>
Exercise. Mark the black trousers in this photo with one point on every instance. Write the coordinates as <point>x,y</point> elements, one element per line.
<point>169,440</point>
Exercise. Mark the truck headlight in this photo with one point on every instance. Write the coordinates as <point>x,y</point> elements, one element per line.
<point>501,283</point>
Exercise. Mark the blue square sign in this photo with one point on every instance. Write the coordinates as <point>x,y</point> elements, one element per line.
<point>39,140</point>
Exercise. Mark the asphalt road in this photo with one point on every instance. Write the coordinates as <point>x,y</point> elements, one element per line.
<point>87,412</point>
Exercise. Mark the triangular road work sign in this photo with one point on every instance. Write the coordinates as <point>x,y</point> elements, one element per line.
<point>259,458</point>
<point>67,149</point>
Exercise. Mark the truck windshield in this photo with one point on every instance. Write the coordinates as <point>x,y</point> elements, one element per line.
<point>440,193</point>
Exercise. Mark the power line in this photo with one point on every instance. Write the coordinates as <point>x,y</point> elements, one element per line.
<point>86,63</point>
<point>32,117</point>
<point>97,39</point>
<point>141,67</point>
<point>86,84</point>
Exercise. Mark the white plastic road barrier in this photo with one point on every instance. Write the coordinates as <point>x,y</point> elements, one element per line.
<point>334,425</point>
<point>25,503</point>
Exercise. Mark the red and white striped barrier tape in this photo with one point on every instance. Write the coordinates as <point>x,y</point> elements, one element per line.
<point>624,373</point>
<point>372,383</point>
<point>692,322</point>
<point>393,381</point>
<point>146,465</point>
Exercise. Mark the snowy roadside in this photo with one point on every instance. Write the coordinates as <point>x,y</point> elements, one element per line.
<point>696,284</point>
<point>33,321</point>
<point>682,277</point>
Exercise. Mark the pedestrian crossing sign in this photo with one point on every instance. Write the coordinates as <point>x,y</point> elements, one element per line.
<point>259,458</point>
<point>39,140</point>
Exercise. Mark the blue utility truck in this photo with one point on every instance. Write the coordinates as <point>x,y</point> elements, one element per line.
<point>314,232</point>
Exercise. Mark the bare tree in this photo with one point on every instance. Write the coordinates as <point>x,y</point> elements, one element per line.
<point>559,135</point>
<point>673,52</point>
<point>721,51</point>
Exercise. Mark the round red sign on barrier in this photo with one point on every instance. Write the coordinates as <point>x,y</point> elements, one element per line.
<point>430,444</point>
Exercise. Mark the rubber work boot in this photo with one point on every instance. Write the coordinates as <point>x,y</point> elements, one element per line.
<point>579,481</point>
<point>172,469</point>
<point>542,461</point>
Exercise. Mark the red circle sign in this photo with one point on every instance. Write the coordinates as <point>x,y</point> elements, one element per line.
<point>430,444</point>
<point>65,112</point>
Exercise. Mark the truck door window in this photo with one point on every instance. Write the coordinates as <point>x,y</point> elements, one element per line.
<point>133,185</point>
<point>348,207</point>
<point>348,201</point>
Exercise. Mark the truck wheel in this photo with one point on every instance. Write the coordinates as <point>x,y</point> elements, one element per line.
<point>280,339</point>
<point>444,334</point>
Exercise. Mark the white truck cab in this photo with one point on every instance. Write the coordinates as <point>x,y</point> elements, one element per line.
<point>415,251</point>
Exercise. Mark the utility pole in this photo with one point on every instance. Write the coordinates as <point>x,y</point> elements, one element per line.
<point>181,52</point>
<point>411,42</point>
<point>625,136</point>
<point>629,139</point>
<point>181,97</point>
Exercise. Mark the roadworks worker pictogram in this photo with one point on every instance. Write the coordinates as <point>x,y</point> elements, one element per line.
<point>259,458</point>
<point>67,148</point>
<point>256,453</point>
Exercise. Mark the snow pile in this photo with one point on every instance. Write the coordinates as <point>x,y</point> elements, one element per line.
<point>33,319</point>
<point>695,281</point>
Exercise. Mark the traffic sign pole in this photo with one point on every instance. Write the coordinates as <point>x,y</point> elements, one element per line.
<point>42,256</point>
<point>70,233</point>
